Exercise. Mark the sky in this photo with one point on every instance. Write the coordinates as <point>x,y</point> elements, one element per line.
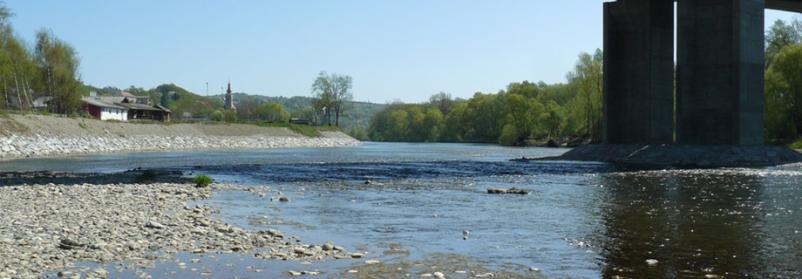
<point>394,50</point>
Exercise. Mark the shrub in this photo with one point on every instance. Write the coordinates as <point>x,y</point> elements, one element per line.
<point>202,181</point>
<point>797,144</point>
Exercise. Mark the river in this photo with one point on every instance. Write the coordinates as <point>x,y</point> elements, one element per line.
<point>580,220</point>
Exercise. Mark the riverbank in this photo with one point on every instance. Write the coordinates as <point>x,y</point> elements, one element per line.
<point>24,136</point>
<point>681,156</point>
<point>49,228</point>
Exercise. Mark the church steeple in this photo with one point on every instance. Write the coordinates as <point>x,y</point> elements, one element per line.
<point>229,100</point>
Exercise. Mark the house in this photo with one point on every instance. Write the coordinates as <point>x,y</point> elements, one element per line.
<point>104,110</point>
<point>41,102</point>
<point>125,107</point>
<point>138,111</point>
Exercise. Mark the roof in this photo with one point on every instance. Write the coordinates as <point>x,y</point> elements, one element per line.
<point>163,108</point>
<point>136,106</point>
<point>99,103</point>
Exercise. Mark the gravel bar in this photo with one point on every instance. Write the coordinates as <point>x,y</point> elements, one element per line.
<point>47,229</point>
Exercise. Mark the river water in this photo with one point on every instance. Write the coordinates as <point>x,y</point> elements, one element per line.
<point>580,220</point>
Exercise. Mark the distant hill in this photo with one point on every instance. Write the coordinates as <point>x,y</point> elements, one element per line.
<point>183,103</point>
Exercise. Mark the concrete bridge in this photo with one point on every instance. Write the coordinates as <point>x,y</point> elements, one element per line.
<point>719,75</point>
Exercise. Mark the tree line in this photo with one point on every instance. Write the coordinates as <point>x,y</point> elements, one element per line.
<point>523,113</point>
<point>537,113</point>
<point>49,69</point>
<point>783,118</point>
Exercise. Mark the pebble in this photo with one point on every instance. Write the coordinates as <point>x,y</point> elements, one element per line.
<point>439,275</point>
<point>117,224</point>
<point>154,225</point>
<point>357,255</point>
<point>652,262</point>
<point>372,261</point>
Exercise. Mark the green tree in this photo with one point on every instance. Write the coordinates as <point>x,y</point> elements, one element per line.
<point>587,80</point>
<point>18,70</point>
<point>58,65</point>
<point>272,112</point>
<point>784,94</point>
<point>332,92</point>
<point>218,115</point>
<point>779,36</point>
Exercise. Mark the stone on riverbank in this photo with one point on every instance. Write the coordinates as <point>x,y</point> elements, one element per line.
<point>50,227</point>
<point>514,191</point>
<point>681,156</point>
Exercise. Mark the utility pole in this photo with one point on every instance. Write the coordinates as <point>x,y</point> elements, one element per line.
<point>207,89</point>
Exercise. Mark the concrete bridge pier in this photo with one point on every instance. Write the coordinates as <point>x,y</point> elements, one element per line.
<point>720,78</point>
<point>638,71</point>
<point>719,85</point>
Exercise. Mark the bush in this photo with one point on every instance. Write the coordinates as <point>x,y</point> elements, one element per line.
<point>796,145</point>
<point>202,181</point>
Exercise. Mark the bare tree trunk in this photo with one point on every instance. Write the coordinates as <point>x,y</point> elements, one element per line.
<point>25,92</point>
<point>19,98</point>
<point>5,99</point>
<point>337,115</point>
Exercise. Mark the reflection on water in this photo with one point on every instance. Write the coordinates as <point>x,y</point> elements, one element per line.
<point>580,220</point>
<point>701,223</point>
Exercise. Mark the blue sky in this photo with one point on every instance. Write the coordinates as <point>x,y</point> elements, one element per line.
<point>395,50</point>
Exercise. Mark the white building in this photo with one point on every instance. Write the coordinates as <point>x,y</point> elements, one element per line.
<point>105,111</point>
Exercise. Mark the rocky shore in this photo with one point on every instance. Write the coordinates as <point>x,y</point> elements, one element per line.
<point>23,136</point>
<point>46,229</point>
<point>681,156</point>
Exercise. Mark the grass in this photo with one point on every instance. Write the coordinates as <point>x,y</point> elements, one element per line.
<point>306,130</point>
<point>202,181</point>
<point>82,125</point>
<point>796,145</point>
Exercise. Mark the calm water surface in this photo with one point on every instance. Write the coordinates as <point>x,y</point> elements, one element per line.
<point>581,220</point>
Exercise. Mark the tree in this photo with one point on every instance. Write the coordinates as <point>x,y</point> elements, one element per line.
<point>272,113</point>
<point>779,36</point>
<point>58,65</point>
<point>218,115</point>
<point>332,92</point>
<point>442,101</point>
<point>17,68</point>
<point>587,80</point>
<point>784,94</point>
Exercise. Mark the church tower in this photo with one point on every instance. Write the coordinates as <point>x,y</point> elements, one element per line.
<point>229,101</point>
